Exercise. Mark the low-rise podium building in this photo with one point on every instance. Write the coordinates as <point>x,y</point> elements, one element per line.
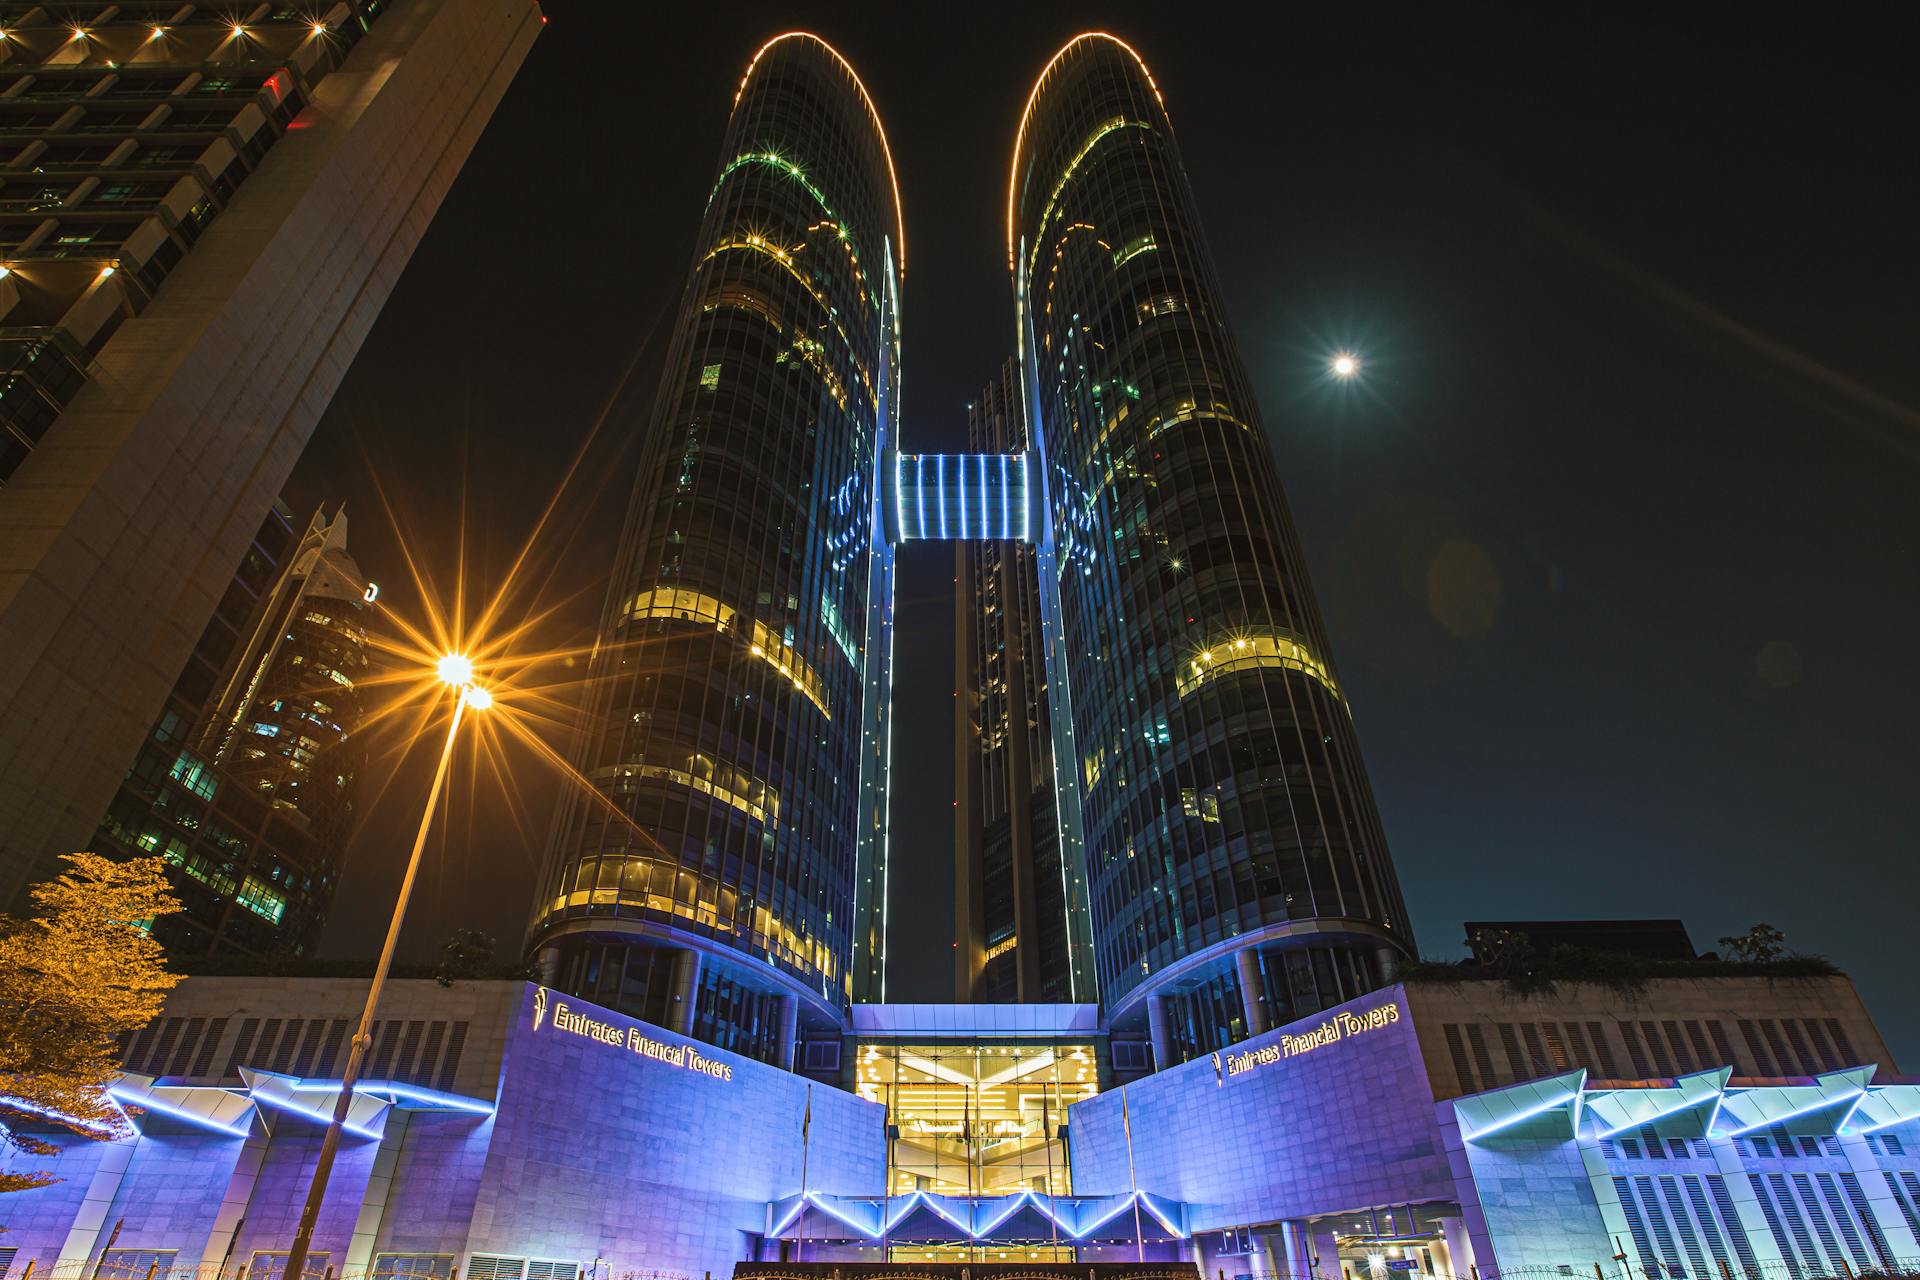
<point>1692,1128</point>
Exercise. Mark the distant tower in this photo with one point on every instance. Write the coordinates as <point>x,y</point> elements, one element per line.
<point>727,879</point>
<point>1236,870</point>
<point>1010,922</point>
<point>207,206</point>
<point>248,782</point>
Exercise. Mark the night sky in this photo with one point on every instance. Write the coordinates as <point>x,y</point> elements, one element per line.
<point>1616,541</point>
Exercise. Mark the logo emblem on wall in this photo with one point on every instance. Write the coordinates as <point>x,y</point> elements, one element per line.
<point>539,1006</point>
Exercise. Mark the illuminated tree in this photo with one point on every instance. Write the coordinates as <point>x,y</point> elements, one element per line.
<point>73,978</point>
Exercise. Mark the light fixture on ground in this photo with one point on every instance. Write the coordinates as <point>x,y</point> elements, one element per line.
<point>455,670</point>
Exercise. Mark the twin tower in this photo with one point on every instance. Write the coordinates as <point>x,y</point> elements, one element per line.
<point>1167,813</point>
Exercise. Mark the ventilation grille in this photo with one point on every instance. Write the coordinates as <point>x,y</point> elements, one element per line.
<point>417,1051</point>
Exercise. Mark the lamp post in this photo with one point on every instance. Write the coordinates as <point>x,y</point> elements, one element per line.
<point>456,671</point>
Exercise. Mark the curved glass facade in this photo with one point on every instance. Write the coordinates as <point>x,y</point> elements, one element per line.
<point>750,599</point>
<point>1225,806</point>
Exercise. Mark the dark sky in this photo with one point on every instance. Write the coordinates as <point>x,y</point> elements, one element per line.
<point>1616,544</point>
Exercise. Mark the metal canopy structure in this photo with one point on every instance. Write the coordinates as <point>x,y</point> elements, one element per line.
<point>1704,1104</point>
<point>1026,1216</point>
<point>273,1098</point>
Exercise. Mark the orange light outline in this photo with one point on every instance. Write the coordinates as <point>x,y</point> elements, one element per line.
<point>899,214</point>
<point>1026,116</point>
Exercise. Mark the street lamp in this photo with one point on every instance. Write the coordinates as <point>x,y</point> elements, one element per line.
<point>1344,366</point>
<point>455,670</point>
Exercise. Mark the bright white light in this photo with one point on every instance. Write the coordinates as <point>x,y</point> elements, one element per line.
<point>1344,366</point>
<point>456,668</point>
<point>477,698</point>
<point>319,28</point>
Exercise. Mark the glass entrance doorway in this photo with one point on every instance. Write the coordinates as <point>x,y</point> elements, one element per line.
<point>976,1120</point>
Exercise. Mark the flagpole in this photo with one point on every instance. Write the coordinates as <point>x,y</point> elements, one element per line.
<point>1046,1140</point>
<point>806,1132</point>
<point>966,1140</point>
<point>886,1189</point>
<point>1126,1122</point>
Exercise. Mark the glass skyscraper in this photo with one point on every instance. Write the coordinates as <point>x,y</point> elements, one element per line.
<point>726,877</point>
<point>1011,924</point>
<point>1162,805</point>
<point>247,783</point>
<point>1236,869</point>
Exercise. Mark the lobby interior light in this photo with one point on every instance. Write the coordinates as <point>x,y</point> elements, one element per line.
<point>477,698</point>
<point>455,669</point>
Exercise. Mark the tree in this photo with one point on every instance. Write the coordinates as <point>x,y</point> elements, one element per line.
<point>73,978</point>
<point>467,953</point>
<point>1762,944</point>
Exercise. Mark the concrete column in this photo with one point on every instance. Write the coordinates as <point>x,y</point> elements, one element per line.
<point>1326,1252</point>
<point>1160,1033</point>
<point>1296,1259</point>
<point>1253,992</point>
<point>1387,960</point>
<point>547,966</point>
<point>686,987</point>
<point>373,1206</point>
<point>97,1206</point>
<point>1877,1185</point>
<point>1459,1247</point>
<point>789,1032</point>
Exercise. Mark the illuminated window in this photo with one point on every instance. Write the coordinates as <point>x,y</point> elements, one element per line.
<point>1204,805</point>
<point>1249,650</point>
<point>710,378</point>
<point>977,1119</point>
<point>722,781</point>
<point>1133,249</point>
<point>1003,946</point>
<point>273,1266</point>
<point>257,897</point>
<point>411,1266</point>
<point>195,775</point>
<point>766,644</point>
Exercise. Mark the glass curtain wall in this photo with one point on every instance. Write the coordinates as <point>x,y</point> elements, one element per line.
<point>724,735</point>
<point>1224,794</point>
<point>978,1120</point>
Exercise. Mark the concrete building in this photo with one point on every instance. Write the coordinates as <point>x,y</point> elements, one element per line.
<point>205,209</point>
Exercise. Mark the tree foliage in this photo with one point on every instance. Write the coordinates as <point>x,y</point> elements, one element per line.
<point>465,955</point>
<point>1760,944</point>
<point>73,978</point>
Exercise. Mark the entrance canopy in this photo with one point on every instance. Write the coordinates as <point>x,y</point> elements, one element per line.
<point>924,1215</point>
